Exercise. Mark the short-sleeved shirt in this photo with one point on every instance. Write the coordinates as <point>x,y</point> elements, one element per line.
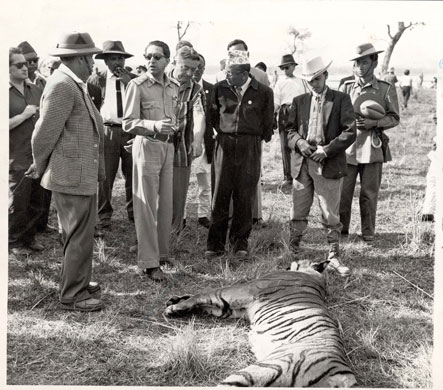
<point>20,151</point>
<point>287,88</point>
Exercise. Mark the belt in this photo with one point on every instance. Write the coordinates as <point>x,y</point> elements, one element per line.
<point>162,137</point>
<point>108,124</point>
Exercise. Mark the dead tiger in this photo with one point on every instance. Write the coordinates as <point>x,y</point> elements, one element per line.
<point>293,336</point>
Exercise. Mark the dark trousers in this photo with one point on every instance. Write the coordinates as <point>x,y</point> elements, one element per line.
<point>46,204</point>
<point>236,167</point>
<point>406,92</point>
<point>26,207</point>
<point>115,139</point>
<point>370,180</point>
<point>285,155</point>
<point>77,217</point>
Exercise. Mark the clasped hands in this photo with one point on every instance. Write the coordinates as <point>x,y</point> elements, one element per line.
<point>315,153</point>
<point>365,123</point>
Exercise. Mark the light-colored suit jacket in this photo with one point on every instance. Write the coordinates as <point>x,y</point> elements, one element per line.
<point>67,143</point>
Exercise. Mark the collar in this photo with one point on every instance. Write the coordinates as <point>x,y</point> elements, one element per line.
<point>110,75</point>
<point>252,81</point>
<point>149,77</point>
<point>373,83</point>
<point>64,69</point>
<point>26,82</point>
<point>322,95</point>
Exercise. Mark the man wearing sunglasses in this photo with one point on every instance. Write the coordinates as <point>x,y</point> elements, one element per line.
<point>285,90</point>
<point>151,104</point>
<point>67,148</point>
<point>25,195</point>
<point>32,59</point>
<point>242,114</point>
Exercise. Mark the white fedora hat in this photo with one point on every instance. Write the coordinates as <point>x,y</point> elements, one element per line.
<point>311,68</point>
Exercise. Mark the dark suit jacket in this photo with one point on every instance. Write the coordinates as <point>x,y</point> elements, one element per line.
<point>96,95</point>
<point>339,131</point>
<point>208,138</point>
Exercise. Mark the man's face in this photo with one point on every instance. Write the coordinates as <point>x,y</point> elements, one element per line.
<point>236,75</point>
<point>364,67</point>
<point>184,69</point>
<point>288,69</point>
<point>156,60</point>
<point>319,83</point>
<point>32,64</point>
<point>19,68</point>
<point>115,62</point>
<point>198,74</point>
<point>238,46</point>
<point>86,66</point>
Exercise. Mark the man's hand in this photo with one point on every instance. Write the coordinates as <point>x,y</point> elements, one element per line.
<point>365,123</point>
<point>197,149</point>
<point>165,126</point>
<point>305,148</point>
<point>123,75</point>
<point>319,154</point>
<point>128,146</point>
<point>29,111</point>
<point>32,173</point>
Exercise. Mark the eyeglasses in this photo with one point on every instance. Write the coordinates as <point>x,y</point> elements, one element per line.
<point>33,60</point>
<point>156,57</point>
<point>20,65</point>
<point>230,74</point>
<point>284,67</point>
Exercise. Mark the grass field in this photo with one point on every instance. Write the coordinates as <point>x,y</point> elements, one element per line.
<point>384,308</point>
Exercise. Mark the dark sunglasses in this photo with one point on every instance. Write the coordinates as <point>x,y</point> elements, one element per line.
<point>33,60</point>
<point>156,57</point>
<point>20,65</point>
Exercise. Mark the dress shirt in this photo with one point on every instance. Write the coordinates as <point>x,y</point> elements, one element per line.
<point>405,81</point>
<point>287,88</point>
<point>109,108</point>
<point>315,128</point>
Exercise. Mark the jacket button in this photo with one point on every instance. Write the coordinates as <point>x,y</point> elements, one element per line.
<point>95,145</point>
<point>95,161</point>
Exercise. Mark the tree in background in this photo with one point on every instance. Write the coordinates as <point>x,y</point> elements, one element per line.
<point>297,37</point>
<point>182,28</point>
<point>401,28</point>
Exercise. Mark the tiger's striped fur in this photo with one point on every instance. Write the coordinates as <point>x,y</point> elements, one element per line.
<point>293,336</point>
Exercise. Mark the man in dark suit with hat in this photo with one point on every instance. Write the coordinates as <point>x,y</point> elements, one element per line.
<point>365,157</point>
<point>285,90</point>
<point>67,149</point>
<point>113,82</point>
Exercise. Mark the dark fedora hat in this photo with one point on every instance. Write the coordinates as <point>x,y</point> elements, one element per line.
<point>27,50</point>
<point>287,59</point>
<point>365,49</point>
<point>74,44</point>
<point>113,47</point>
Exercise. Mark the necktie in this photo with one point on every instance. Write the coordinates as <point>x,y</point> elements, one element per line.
<point>119,98</point>
<point>238,91</point>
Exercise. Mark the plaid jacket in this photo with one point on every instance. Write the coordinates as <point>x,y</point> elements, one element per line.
<point>67,143</point>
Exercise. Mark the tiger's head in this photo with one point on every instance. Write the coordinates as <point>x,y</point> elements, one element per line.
<point>309,266</point>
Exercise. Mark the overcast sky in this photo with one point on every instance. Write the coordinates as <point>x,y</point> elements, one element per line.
<point>336,27</point>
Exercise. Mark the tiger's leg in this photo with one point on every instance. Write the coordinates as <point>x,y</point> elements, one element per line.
<point>224,302</point>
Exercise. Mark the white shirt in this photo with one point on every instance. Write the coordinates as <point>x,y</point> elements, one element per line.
<point>405,81</point>
<point>109,107</point>
<point>287,88</point>
<point>315,128</point>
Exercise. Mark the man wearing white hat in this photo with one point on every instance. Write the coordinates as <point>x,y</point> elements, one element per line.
<point>67,148</point>
<point>242,114</point>
<point>285,90</point>
<point>321,125</point>
<point>366,155</point>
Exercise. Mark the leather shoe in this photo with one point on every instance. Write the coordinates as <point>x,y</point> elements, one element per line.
<point>156,274</point>
<point>427,218</point>
<point>36,247</point>
<point>368,238</point>
<point>204,221</point>
<point>87,305</point>
<point>213,254</point>
<point>341,269</point>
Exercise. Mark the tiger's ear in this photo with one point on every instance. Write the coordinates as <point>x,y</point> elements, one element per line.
<point>321,266</point>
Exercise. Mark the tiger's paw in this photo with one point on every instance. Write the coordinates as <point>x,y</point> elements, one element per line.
<point>176,299</point>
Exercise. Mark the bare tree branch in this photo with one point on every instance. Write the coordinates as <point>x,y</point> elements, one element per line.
<point>389,32</point>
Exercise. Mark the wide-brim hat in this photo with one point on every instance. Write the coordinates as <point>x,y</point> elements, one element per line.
<point>75,44</point>
<point>113,47</point>
<point>365,49</point>
<point>287,59</point>
<point>27,50</point>
<point>311,68</point>
<point>365,97</point>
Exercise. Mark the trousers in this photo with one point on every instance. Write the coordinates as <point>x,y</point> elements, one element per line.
<point>77,215</point>
<point>370,180</point>
<point>115,139</point>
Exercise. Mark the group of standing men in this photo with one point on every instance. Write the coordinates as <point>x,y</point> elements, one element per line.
<point>166,119</point>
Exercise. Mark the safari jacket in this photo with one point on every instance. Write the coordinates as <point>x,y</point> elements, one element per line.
<point>362,151</point>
